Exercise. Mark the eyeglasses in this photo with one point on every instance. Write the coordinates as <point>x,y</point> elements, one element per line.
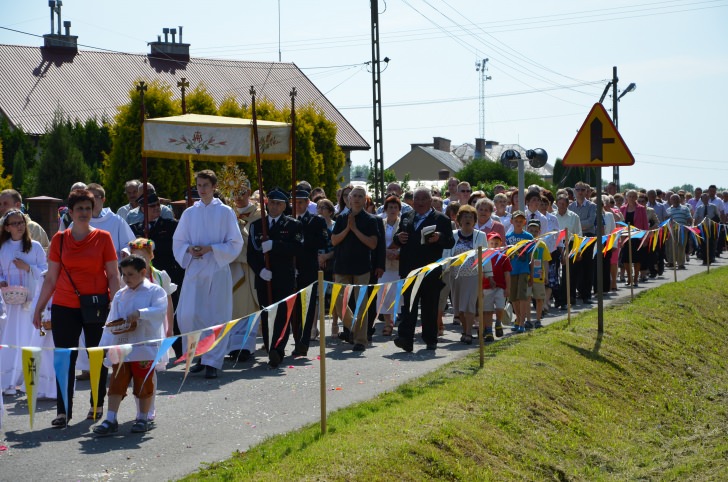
<point>465,190</point>
<point>15,224</point>
<point>579,189</point>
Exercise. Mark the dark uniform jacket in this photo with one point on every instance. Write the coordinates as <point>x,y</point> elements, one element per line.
<point>414,254</point>
<point>315,237</point>
<point>287,238</point>
<point>161,233</point>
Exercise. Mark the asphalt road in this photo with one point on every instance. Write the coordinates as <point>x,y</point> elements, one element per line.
<point>209,419</point>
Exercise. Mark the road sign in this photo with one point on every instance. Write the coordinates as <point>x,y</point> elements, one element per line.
<point>598,143</point>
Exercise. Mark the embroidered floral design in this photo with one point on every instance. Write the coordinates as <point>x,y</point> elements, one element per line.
<point>197,143</point>
<point>268,141</point>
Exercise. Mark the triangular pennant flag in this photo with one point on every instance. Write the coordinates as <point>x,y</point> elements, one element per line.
<point>208,342</point>
<point>416,287</point>
<point>560,237</point>
<point>272,312</point>
<point>359,301</point>
<point>192,340</point>
<point>31,357</point>
<point>61,364</point>
<point>397,295</point>
<point>375,290</point>
<point>383,298</point>
<point>334,294</point>
<point>305,300</point>
<point>163,347</point>
<point>226,329</point>
<point>290,304</point>
<point>95,361</point>
<point>252,324</point>
<point>117,354</point>
<point>345,299</point>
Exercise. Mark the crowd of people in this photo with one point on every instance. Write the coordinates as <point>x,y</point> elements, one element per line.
<point>108,279</point>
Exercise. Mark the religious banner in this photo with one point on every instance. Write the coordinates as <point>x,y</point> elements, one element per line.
<point>214,138</point>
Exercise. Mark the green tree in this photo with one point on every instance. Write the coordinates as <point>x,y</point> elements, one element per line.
<point>5,182</point>
<point>484,172</point>
<point>14,140</point>
<point>124,161</point>
<point>60,164</point>
<point>230,107</point>
<point>569,176</point>
<point>199,101</point>
<point>19,168</point>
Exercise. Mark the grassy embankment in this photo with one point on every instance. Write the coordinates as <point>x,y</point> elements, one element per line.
<point>647,401</point>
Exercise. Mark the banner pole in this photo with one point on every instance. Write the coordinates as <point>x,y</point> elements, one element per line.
<point>322,348</point>
<point>630,271</point>
<point>481,323</point>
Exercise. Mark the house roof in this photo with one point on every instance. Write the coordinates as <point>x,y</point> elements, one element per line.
<point>465,153</point>
<point>448,159</point>
<point>35,81</point>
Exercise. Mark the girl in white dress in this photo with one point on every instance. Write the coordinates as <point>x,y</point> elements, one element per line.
<point>21,263</point>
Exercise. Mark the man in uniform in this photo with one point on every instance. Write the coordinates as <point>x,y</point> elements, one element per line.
<point>315,239</point>
<point>284,242</point>
<point>414,253</point>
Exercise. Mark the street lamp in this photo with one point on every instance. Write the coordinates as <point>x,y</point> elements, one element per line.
<point>511,159</point>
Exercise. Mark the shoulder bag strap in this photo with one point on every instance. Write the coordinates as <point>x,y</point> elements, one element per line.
<point>63,234</point>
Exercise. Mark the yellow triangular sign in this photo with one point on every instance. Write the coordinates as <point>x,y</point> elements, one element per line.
<point>598,143</point>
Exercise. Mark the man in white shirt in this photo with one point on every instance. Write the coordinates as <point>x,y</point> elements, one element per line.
<point>206,241</point>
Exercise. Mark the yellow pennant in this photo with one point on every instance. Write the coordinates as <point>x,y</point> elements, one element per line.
<point>334,294</point>
<point>31,357</point>
<point>95,361</point>
<point>228,326</point>
<point>305,299</point>
<point>375,290</point>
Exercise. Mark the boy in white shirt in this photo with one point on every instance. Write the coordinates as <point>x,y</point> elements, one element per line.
<point>140,308</point>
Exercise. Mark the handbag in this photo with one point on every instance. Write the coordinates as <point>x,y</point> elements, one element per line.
<point>94,308</point>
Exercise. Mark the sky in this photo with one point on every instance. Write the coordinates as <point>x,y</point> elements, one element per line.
<point>548,63</point>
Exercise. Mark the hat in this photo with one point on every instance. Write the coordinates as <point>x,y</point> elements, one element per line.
<point>534,222</point>
<point>277,194</point>
<point>493,235</point>
<point>517,214</point>
<point>302,194</point>
<point>152,198</point>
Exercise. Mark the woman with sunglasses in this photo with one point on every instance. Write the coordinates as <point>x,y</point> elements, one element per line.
<point>21,263</point>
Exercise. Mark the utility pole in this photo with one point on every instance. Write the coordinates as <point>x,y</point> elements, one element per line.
<point>377,105</point>
<point>615,103</point>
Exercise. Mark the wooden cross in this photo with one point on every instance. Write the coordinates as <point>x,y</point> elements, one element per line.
<point>182,84</point>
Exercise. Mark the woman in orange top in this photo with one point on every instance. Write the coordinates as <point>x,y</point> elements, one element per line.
<point>81,261</point>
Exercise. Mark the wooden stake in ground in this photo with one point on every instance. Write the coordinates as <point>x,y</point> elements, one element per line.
<point>568,278</point>
<point>481,322</point>
<point>706,230</point>
<point>630,271</point>
<point>675,242</point>
<point>322,348</point>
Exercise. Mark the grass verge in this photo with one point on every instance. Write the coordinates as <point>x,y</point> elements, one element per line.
<point>648,400</point>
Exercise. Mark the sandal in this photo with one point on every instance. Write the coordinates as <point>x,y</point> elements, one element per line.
<point>95,416</point>
<point>140,426</point>
<point>387,330</point>
<point>60,421</point>
<point>107,427</point>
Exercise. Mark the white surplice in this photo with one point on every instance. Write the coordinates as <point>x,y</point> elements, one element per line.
<point>206,297</point>
<point>16,328</point>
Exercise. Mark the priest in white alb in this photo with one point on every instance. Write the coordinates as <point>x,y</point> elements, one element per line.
<point>206,241</point>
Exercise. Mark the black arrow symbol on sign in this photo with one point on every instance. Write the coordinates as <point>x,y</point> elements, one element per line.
<point>598,141</point>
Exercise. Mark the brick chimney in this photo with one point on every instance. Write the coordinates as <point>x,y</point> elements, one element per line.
<point>441,144</point>
<point>479,148</point>
<point>166,49</point>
